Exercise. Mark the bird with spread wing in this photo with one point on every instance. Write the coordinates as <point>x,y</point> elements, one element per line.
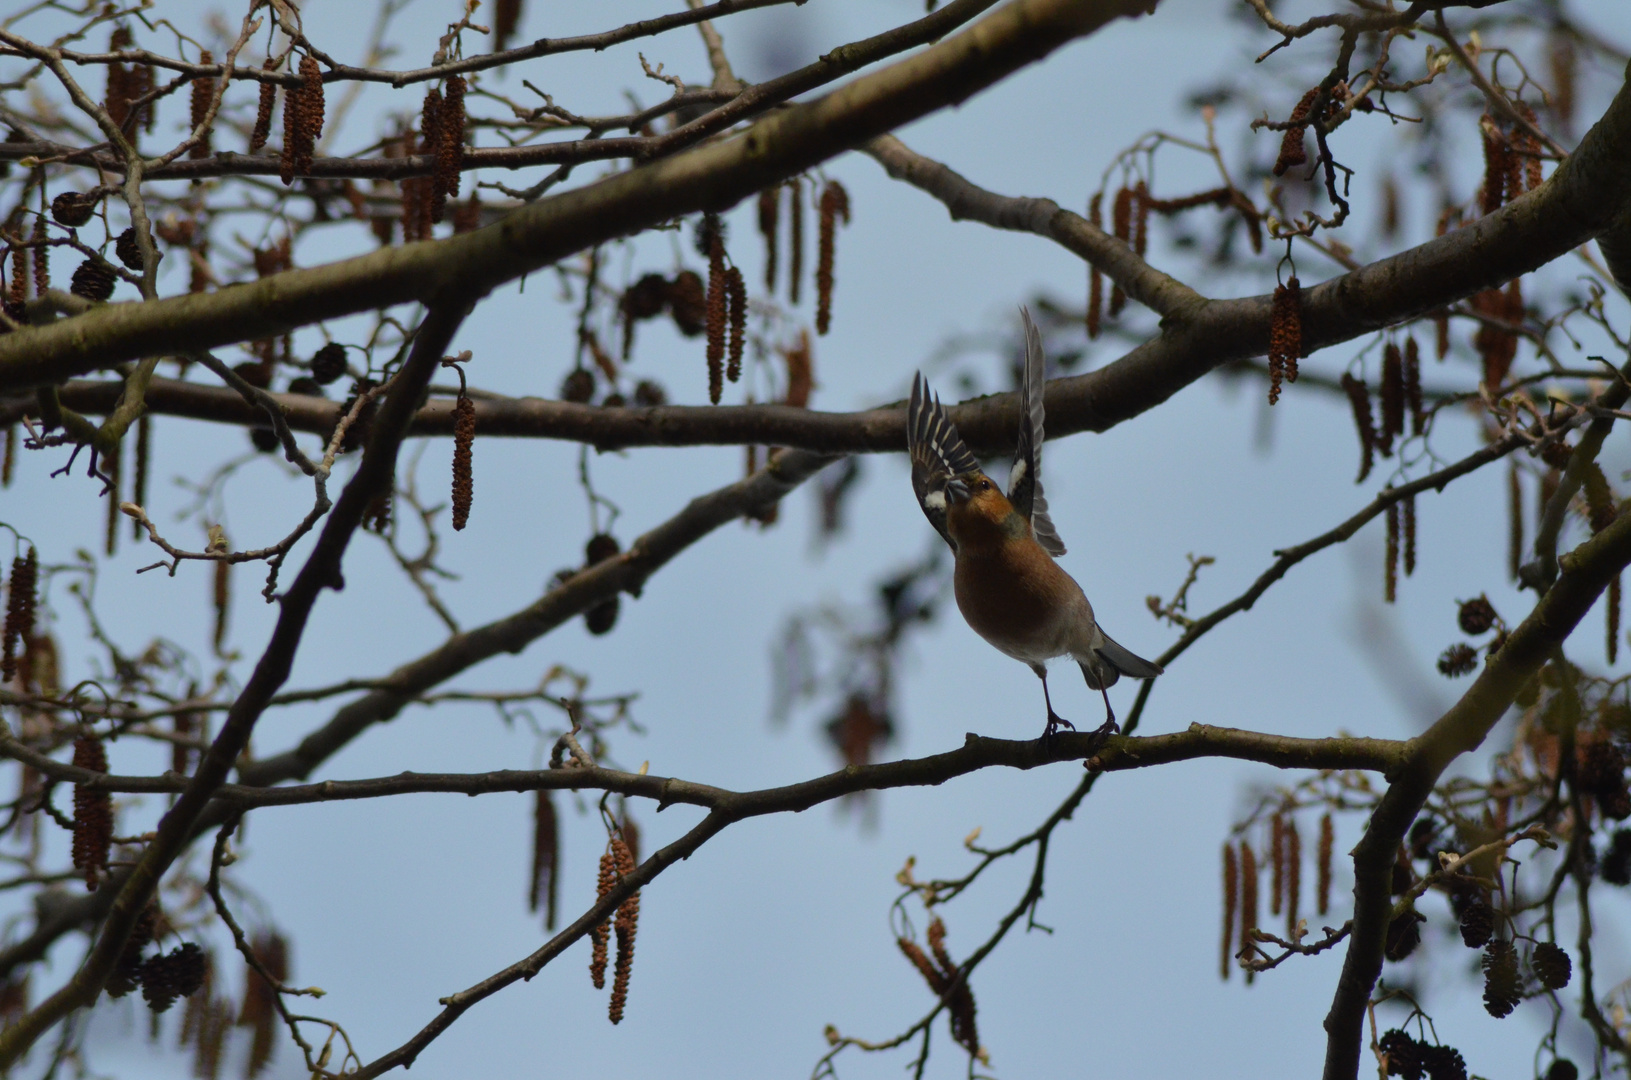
<point>1007,584</point>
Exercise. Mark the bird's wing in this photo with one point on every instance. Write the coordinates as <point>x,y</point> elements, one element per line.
<point>938,454</point>
<point>1025,481</point>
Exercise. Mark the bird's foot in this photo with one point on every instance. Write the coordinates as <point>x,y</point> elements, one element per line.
<point>1055,722</point>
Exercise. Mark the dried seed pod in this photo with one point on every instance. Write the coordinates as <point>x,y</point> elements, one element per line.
<point>716,317</point>
<point>20,608</point>
<point>598,933</point>
<point>1443,1063</point>
<point>649,394</point>
<point>1615,867</point>
<point>1476,615</point>
<point>1502,988</point>
<point>1457,660</point>
<point>645,299</point>
<point>1392,397</point>
<point>1391,577</point>
<point>129,250</point>
<point>736,292</point>
<point>1231,897</point>
<point>93,813</point>
<point>1323,864</point>
<point>93,279</point>
<point>546,855</point>
<point>1403,935</point>
<point>73,208</point>
<point>1292,151</point>
<point>203,92</point>
<point>578,386</point>
<point>603,616</point>
<point>1121,220</point>
<point>1095,280</point>
<point>328,363</point>
<point>464,436</point>
<point>1563,1069</point>
<point>1477,924</point>
<point>450,142</point>
<point>178,973</point>
<point>770,202</point>
<point>795,239</point>
<point>1404,1054</point>
<point>688,303</point>
<point>1248,901</point>
<point>834,204</point>
<point>625,926</point>
<point>1550,965</point>
<point>1359,399</point>
<point>1285,335</point>
<point>1407,522</point>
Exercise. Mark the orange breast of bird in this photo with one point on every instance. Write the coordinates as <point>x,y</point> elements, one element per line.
<point>1009,590</point>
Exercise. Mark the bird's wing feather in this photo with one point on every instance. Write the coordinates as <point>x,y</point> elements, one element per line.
<point>938,454</point>
<point>1025,480</point>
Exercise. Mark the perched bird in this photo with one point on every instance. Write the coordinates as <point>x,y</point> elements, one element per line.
<point>1008,587</point>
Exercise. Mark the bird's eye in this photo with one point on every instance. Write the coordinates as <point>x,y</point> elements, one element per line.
<point>985,485</point>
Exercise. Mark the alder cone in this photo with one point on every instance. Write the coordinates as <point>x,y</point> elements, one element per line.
<point>1551,965</point>
<point>73,208</point>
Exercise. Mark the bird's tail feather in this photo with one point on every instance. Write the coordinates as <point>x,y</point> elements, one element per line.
<point>1123,661</point>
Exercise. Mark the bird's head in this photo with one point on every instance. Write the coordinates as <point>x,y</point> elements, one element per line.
<point>976,503</point>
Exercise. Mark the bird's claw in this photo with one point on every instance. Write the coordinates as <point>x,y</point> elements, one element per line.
<point>1055,722</point>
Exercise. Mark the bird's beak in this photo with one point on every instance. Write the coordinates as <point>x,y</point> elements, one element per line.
<point>957,489</point>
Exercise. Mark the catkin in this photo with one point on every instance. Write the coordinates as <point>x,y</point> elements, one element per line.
<point>138,492</point>
<point>1612,609</point>
<point>1514,532</point>
<point>795,239</point>
<point>1392,397</point>
<point>464,436</point>
<point>770,201</point>
<point>1294,875</point>
<point>41,253</point>
<point>737,294</point>
<point>1277,862</point>
<point>1231,897</point>
<point>1359,399</point>
<point>598,932</point>
<point>111,462</point>
<point>203,92</point>
<point>1322,894</point>
<point>1121,220</point>
<point>1285,335</point>
<point>1141,218</point>
<point>1248,902</point>
<point>716,316</point>
<point>1292,151</point>
<point>546,855</point>
<point>433,199</point>
<point>1391,559</point>
<point>1095,280</point>
<point>800,372</point>
<point>302,121</point>
<point>834,205</point>
<point>1412,387</point>
<point>1407,524</point>
<point>263,113</point>
<point>624,926</point>
<point>20,609</point>
<point>1498,166</point>
<point>93,813</point>
<point>221,600</point>
<point>450,144</point>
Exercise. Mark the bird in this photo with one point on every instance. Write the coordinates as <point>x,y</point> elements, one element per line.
<point>1007,584</point>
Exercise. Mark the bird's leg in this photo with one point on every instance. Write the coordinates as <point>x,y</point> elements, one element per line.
<point>1109,727</point>
<point>1055,721</point>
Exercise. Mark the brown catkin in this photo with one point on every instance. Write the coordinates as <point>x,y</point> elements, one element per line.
<point>1407,524</point>
<point>8,466</point>
<point>42,257</point>
<point>302,121</point>
<point>506,17</point>
<point>221,600</point>
<point>1612,609</point>
<point>1322,866</point>
<point>1359,399</point>
<point>111,461</point>
<point>450,144</point>
<point>1292,151</point>
<point>1294,875</point>
<point>546,855</point>
<point>203,92</point>
<point>920,960</point>
<point>834,205</point>
<point>1514,517</point>
<point>433,200</point>
<point>263,114</point>
<point>624,926</point>
<point>20,608</point>
<point>464,436</point>
<point>770,202</point>
<point>1285,335</point>
<point>1141,218</point>
<point>93,813</point>
<point>598,932</point>
<point>1392,396</point>
<point>1498,166</point>
<point>1095,280</point>
<point>800,372</point>
<point>1412,386</point>
<point>120,80</point>
<point>959,1001</point>
<point>716,317</point>
<point>138,492</point>
<point>1248,901</point>
<point>1277,856</point>
<point>1390,578</point>
<point>1121,221</point>
<point>737,293</point>
<point>19,268</point>
<point>795,239</point>
<point>1231,899</point>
